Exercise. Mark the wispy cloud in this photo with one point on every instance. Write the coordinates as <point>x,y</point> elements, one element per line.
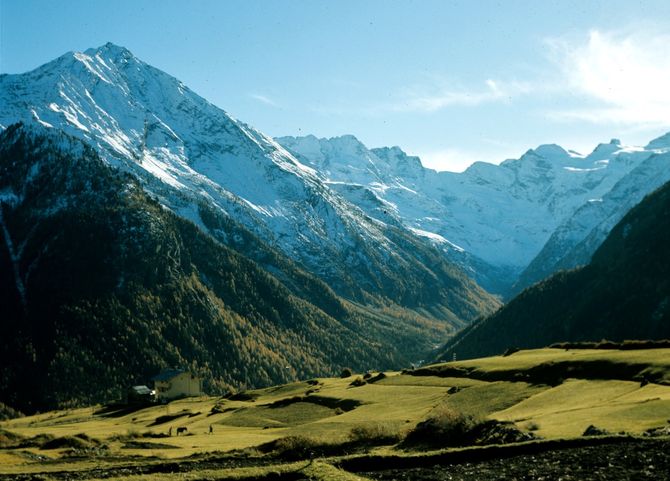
<point>264,99</point>
<point>625,77</point>
<point>434,93</point>
<point>422,99</point>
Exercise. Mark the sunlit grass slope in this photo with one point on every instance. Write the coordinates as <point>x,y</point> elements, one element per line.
<point>626,391</point>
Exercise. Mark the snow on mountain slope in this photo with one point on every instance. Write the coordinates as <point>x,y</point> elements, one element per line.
<point>494,219</point>
<point>352,215</point>
<point>189,153</point>
<point>573,243</point>
<point>143,120</point>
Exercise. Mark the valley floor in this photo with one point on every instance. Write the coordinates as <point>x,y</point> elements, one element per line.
<point>520,416</point>
<point>606,459</point>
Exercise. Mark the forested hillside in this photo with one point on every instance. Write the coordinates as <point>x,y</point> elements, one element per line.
<point>101,286</point>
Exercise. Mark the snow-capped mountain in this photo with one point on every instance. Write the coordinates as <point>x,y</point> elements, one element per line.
<point>196,159</point>
<point>143,120</point>
<point>622,293</point>
<point>365,220</point>
<point>576,239</point>
<point>494,220</point>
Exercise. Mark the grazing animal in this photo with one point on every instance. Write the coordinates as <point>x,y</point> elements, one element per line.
<point>182,430</point>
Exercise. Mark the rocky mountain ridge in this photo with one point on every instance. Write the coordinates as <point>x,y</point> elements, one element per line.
<point>205,165</point>
<point>508,225</point>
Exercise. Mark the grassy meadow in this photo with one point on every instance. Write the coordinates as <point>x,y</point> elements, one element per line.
<point>309,427</point>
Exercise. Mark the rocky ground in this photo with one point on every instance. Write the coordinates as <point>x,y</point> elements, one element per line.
<point>615,460</point>
<point>639,460</point>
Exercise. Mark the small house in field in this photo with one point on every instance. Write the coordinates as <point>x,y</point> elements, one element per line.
<point>175,383</point>
<point>140,395</point>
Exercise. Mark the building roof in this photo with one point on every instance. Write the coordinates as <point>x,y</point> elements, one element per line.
<point>167,374</point>
<point>142,390</point>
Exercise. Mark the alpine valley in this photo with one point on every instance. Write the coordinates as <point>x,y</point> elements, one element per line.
<point>508,226</point>
<point>143,227</point>
<point>622,294</point>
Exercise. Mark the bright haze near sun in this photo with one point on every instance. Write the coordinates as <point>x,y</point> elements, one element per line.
<point>452,82</point>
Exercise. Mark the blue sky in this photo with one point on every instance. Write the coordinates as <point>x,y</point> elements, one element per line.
<point>451,81</point>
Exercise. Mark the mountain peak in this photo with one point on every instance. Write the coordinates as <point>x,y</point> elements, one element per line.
<point>110,50</point>
<point>662,142</point>
<point>603,151</point>
<point>550,151</point>
<point>396,150</point>
<point>346,138</point>
<point>399,158</point>
<point>346,141</point>
<point>104,60</point>
<point>545,154</point>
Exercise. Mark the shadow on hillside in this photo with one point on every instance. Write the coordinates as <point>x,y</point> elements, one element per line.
<point>120,410</point>
<point>551,373</point>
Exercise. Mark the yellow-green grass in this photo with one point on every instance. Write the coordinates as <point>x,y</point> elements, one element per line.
<point>616,406</point>
<point>312,470</point>
<point>487,398</point>
<point>569,408</point>
<point>650,360</point>
<point>393,404</point>
<point>244,424</point>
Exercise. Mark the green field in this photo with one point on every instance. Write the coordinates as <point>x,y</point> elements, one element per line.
<point>552,393</point>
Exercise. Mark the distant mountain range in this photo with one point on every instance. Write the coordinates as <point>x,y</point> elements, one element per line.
<point>623,293</point>
<point>143,227</point>
<point>508,226</point>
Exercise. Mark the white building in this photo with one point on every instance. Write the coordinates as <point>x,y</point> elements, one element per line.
<point>175,383</point>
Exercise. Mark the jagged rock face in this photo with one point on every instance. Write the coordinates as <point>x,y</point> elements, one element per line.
<point>526,215</point>
<point>193,156</point>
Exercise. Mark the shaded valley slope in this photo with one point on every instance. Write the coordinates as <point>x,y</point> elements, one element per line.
<point>624,293</point>
<point>102,286</point>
